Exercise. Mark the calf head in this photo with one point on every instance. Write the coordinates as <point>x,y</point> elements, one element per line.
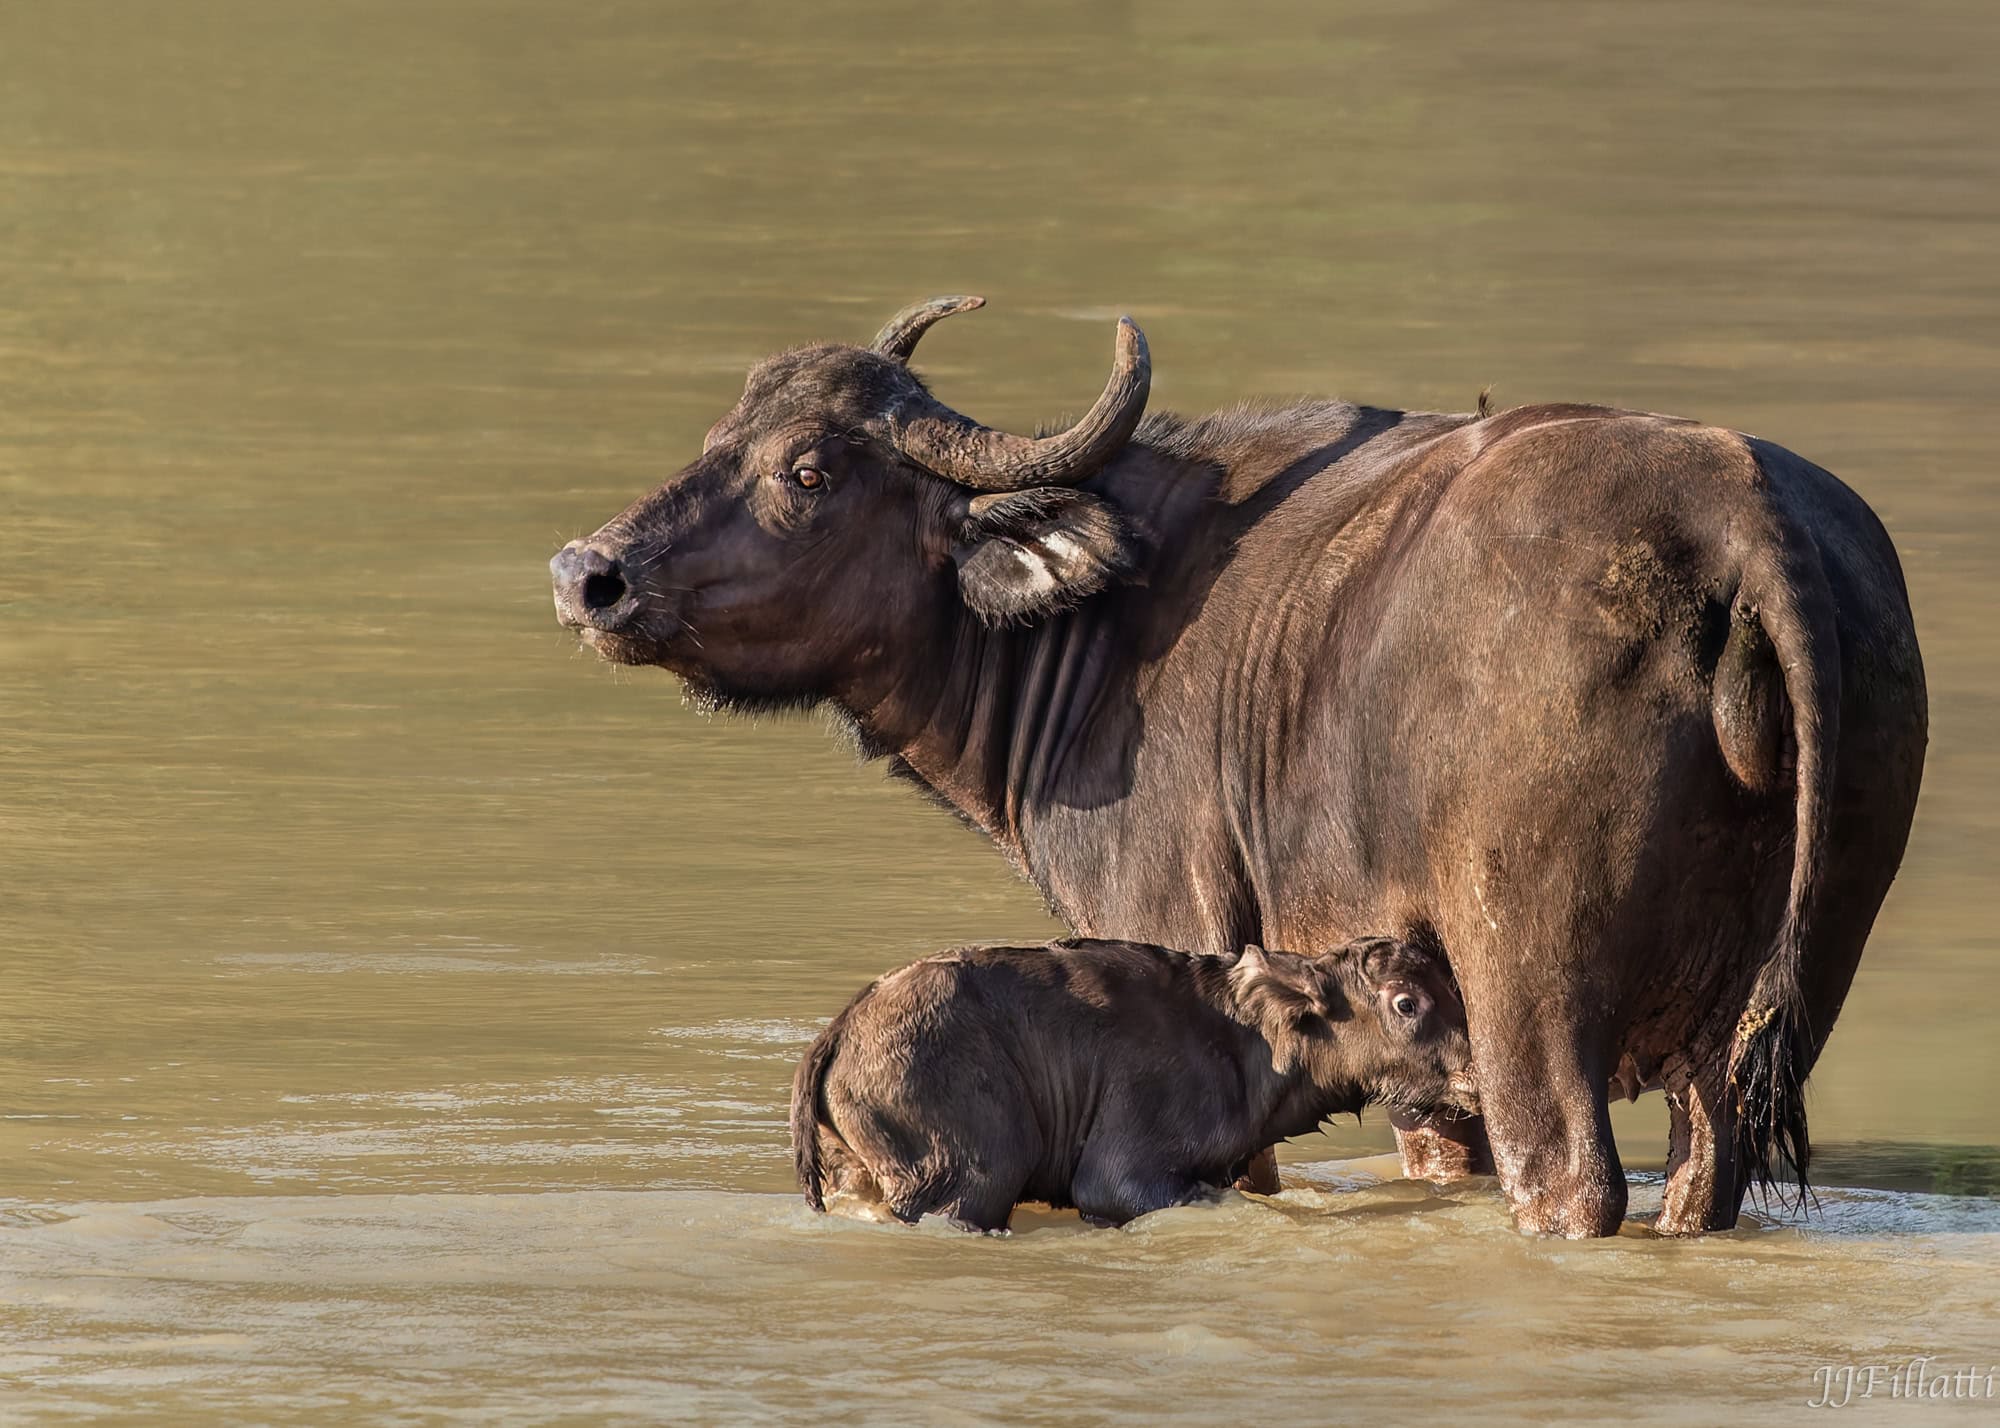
<point>1375,1020</point>
<point>840,518</point>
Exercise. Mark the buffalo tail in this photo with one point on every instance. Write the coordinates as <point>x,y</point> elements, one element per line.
<point>1773,1050</point>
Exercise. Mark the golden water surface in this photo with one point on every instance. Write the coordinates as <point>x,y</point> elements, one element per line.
<point>398,1006</point>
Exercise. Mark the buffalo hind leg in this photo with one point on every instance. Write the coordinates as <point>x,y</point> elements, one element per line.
<point>1704,1189</point>
<point>1440,1148</point>
<point>1547,1112</point>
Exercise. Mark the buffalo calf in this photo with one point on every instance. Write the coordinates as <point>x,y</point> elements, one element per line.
<point>1116,1077</point>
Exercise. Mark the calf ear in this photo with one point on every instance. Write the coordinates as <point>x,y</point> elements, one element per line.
<point>1025,555</point>
<point>1263,992</point>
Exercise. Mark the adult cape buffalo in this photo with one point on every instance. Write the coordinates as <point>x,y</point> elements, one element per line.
<point>1624,712</point>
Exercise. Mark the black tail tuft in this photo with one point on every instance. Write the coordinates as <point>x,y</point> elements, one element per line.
<point>1772,1056</point>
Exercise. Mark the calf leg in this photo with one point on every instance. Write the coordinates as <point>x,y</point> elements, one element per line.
<point>915,1173</point>
<point>845,1175</point>
<point>984,1206</point>
<point>1111,1193</point>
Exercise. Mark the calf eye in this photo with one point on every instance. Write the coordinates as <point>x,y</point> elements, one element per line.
<point>809,477</point>
<point>1406,1005</point>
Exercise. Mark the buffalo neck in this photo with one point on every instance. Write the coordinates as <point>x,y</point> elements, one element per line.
<point>1032,733</point>
<point>996,724</point>
<point>990,728</point>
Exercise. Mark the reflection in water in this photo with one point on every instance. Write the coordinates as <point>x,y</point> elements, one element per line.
<point>358,926</point>
<point>1899,1165</point>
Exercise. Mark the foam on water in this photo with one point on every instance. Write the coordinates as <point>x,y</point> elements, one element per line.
<point>751,1307</point>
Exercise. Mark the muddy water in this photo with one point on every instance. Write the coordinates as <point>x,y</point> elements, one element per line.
<point>399,1005</point>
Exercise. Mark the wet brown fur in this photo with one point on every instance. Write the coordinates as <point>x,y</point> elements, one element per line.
<point>1112,1076</point>
<point>1627,711</point>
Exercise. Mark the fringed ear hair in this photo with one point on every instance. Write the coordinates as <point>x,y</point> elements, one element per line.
<point>1264,994</point>
<point>1025,555</point>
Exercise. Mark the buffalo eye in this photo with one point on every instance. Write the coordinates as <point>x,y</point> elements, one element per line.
<point>809,478</point>
<point>1407,1005</point>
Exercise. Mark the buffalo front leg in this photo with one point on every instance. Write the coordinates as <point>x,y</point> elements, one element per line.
<point>1442,1148</point>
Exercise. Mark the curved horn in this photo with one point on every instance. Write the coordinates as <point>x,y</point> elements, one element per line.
<point>898,339</point>
<point>959,449</point>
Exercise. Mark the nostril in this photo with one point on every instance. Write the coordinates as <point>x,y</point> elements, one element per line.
<point>603,590</point>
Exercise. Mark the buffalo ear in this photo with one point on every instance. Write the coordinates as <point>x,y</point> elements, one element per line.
<point>1264,994</point>
<point>1025,555</point>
